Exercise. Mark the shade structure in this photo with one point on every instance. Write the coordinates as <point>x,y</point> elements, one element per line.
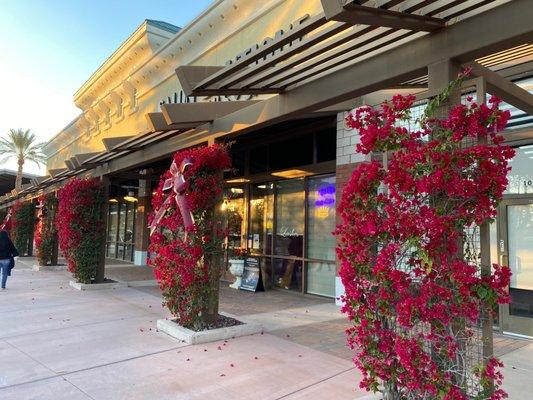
<point>346,33</point>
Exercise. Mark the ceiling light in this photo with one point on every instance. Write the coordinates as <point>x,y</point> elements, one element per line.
<point>130,197</point>
<point>292,173</point>
<point>238,180</point>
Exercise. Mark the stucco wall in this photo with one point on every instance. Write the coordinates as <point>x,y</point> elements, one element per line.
<point>227,28</point>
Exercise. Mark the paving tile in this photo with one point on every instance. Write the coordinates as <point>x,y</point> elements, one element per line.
<point>17,367</point>
<point>48,389</point>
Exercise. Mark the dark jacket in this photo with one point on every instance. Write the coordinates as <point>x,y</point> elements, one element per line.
<point>7,250</point>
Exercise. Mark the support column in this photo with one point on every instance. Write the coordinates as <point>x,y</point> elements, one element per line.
<point>100,269</point>
<point>142,232</point>
<point>55,247</point>
<point>484,244</point>
<point>346,161</point>
<point>440,75</point>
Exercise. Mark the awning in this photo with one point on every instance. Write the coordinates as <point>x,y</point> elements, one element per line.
<point>346,33</point>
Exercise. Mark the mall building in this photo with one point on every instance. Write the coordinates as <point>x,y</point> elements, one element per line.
<point>276,79</point>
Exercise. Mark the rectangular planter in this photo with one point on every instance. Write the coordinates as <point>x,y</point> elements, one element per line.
<point>97,286</point>
<point>171,328</point>
<point>49,267</point>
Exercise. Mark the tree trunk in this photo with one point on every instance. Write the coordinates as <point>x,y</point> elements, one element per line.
<point>18,181</point>
<point>210,314</point>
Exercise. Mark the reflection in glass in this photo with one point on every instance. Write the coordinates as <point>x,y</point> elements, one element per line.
<point>520,236</point>
<point>521,175</point>
<point>320,240</point>
<point>321,278</point>
<point>290,218</point>
<point>261,219</point>
<point>113,222</point>
<point>288,274</point>
<point>233,208</point>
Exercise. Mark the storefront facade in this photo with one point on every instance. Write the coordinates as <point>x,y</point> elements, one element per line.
<point>290,169</point>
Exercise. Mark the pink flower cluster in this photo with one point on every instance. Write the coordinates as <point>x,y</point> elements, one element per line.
<point>409,285</point>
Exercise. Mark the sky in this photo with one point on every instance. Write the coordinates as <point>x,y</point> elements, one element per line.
<point>49,48</point>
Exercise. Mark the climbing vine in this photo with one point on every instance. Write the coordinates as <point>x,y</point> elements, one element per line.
<point>187,238</point>
<point>414,292</point>
<point>45,229</point>
<point>80,226</point>
<point>22,224</point>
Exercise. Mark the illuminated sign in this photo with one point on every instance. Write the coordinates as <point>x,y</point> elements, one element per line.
<point>325,196</point>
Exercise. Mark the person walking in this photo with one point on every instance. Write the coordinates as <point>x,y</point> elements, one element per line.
<point>8,252</point>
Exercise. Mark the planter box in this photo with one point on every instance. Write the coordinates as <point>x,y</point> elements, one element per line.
<point>49,267</point>
<point>147,283</point>
<point>171,328</point>
<point>97,286</point>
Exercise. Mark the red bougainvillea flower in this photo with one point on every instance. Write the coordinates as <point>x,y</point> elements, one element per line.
<point>412,285</point>
<point>80,226</point>
<point>180,261</point>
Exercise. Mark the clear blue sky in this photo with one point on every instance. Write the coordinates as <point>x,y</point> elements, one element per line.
<point>49,48</point>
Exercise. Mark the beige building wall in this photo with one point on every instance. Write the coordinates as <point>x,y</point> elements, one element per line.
<point>141,73</point>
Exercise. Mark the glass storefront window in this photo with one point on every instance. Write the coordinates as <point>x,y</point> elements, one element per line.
<point>234,210</point>
<point>520,231</point>
<point>521,175</point>
<point>112,229</point>
<point>290,209</point>
<point>320,240</point>
<point>288,274</point>
<point>121,230</point>
<point>290,223</point>
<point>261,219</point>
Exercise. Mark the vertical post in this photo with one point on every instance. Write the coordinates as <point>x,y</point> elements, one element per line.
<point>484,243</point>
<point>31,236</point>
<point>142,235</point>
<point>440,75</point>
<point>100,268</point>
<point>214,267</point>
<point>55,242</point>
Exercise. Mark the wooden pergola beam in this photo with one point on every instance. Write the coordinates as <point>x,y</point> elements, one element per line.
<point>112,142</point>
<point>56,171</point>
<point>190,115</point>
<point>157,123</point>
<point>190,76</point>
<point>506,90</point>
<point>457,42</point>
<point>354,13</point>
<point>306,24</point>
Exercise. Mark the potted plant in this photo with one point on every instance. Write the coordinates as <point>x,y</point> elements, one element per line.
<point>236,267</point>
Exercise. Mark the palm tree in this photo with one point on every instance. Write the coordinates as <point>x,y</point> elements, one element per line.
<point>21,144</point>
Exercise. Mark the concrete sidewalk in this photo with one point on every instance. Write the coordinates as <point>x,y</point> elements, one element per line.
<point>58,343</point>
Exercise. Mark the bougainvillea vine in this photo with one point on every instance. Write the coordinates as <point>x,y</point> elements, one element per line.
<point>80,226</point>
<point>413,288</point>
<point>45,237</point>
<point>186,257</point>
<point>22,224</point>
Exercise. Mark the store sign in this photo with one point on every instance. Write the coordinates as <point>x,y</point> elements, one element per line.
<point>179,97</point>
<point>288,232</point>
<point>325,196</point>
<point>267,41</point>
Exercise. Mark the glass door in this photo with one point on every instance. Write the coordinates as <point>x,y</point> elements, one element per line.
<point>515,248</point>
